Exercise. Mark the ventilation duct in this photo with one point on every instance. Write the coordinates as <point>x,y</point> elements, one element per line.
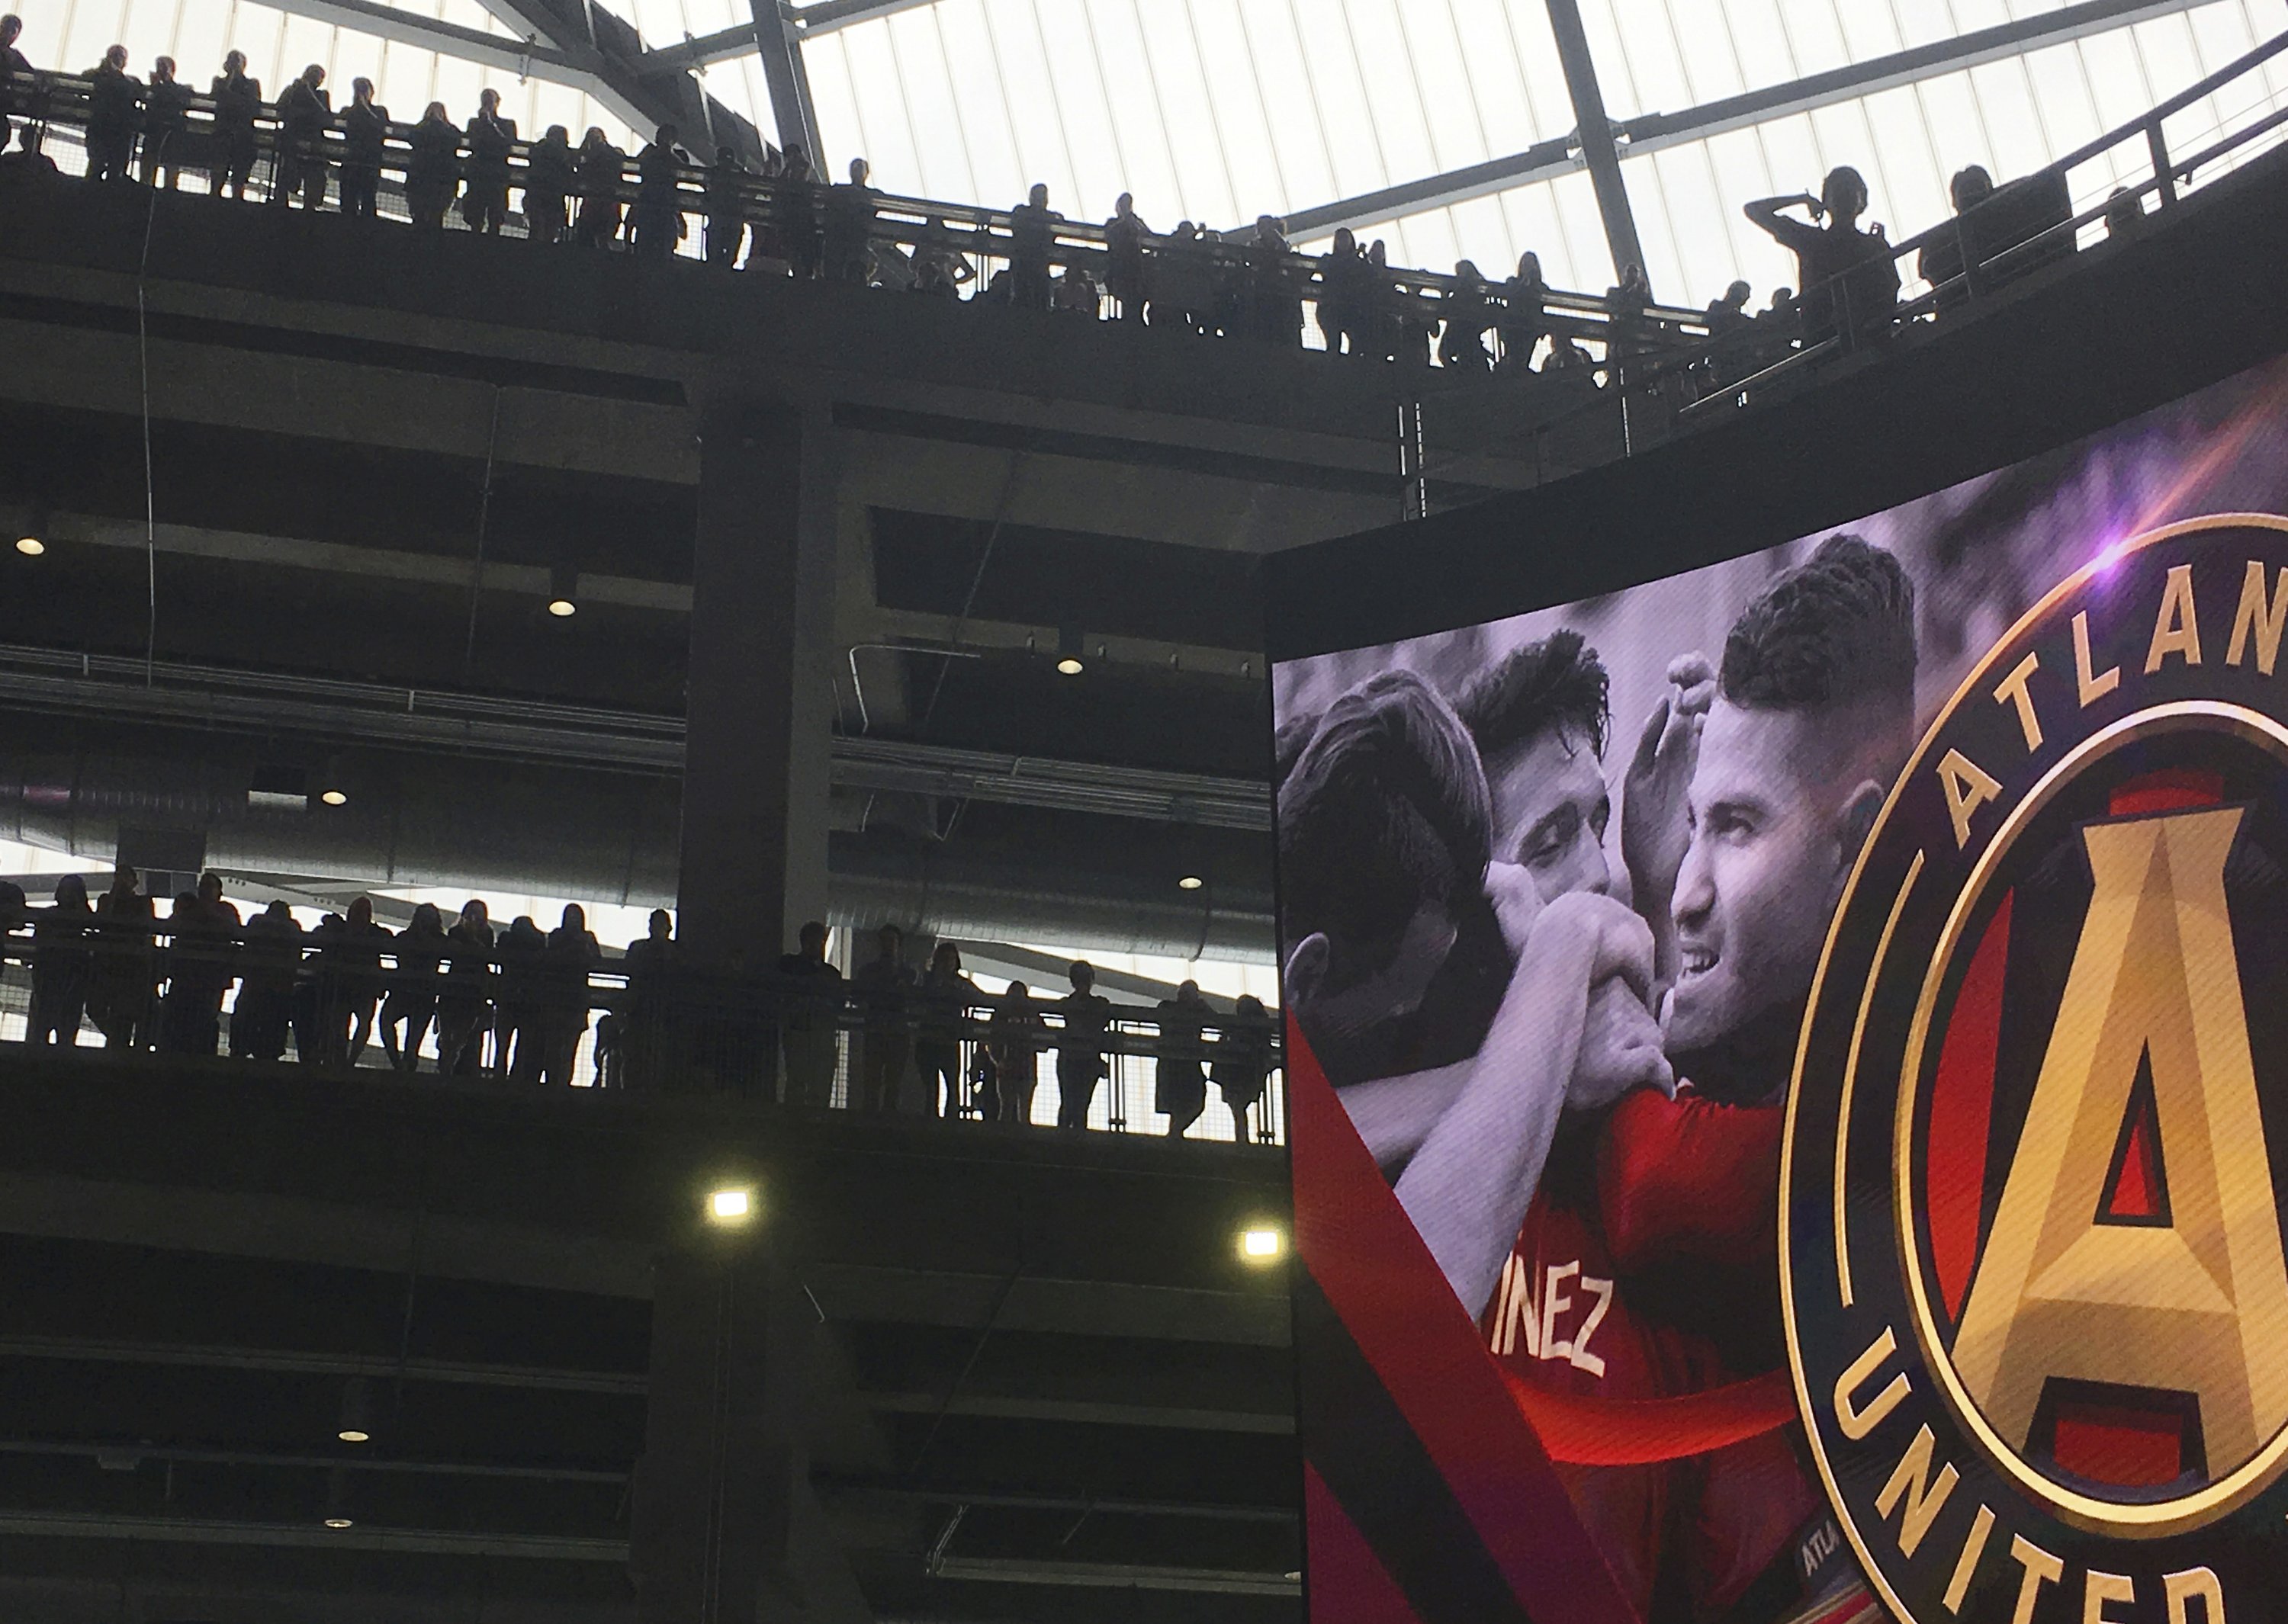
<point>602,837</point>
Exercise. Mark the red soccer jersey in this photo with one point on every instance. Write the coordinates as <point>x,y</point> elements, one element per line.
<point>1693,1180</point>
<point>1558,1320</point>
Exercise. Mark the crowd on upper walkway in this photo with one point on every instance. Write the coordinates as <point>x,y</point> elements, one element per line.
<point>466,999</point>
<point>782,217</point>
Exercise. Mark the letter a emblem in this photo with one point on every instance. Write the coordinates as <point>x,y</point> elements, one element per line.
<point>2150,1033</point>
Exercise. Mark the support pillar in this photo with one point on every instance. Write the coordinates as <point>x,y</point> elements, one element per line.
<point>726,1529</point>
<point>760,695</point>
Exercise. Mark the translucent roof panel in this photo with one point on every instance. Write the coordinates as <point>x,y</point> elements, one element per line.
<point>1212,110</point>
<point>2012,116</point>
<point>73,37</point>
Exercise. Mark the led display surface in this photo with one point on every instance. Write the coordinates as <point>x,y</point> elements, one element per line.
<point>1790,1069</point>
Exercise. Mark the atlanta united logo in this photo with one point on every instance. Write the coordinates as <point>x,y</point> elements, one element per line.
<point>2037,1302</point>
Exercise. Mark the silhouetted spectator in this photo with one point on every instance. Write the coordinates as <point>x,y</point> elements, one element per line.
<point>945,996</point>
<point>25,159</point>
<point>465,1009</point>
<point>548,174</point>
<point>1179,281</point>
<point>1943,258</point>
<point>1843,270</point>
<point>1729,323</point>
<point>1625,324</point>
<point>849,225</point>
<point>113,108</point>
<point>796,213</point>
<point>62,963</point>
<point>812,989</point>
<point>313,995</point>
<point>349,968</point>
<point>1524,317</point>
<point>572,955</point>
<point>365,125</point>
<point>657,223</point>
<point>1274,298</point>
<point>1124,236</point>
<point>1568,358</point>
<point>1384,304</point>
<point>411,1002</point>
<point>519,1026</point>
<point>885,991</point>
<point>939,270</point>
<point>13,92</point>
<point>651,967</point>
<point>599,173</point>
<point>1014,1036</point>
<point>1463,317</point>
<point>199,969</point>
<point>264,1007</point>
<point>237,104</point>
<point>726,208</point>
<point>2124,213</point>
<point>166,127</point>
<point>305,114</point>
<point>1075,294</point>
<point>1032,241</point>
<point>1180,1054</point>
<point>120,994</point>
<point>1080,1045</point>
<point>1343,298</point>
<point>433,173</point>
<point>1243,1064</point>
<point>491,138</point>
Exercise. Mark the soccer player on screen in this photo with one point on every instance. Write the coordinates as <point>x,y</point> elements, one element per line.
<point>1811,719</point>
<point>1384,826</point>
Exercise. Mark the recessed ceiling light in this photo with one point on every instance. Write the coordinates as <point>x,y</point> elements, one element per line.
<point>30,546</point>
<point>1070,665</point>
<point>1191,882</point>
<point>353,1435</point>
<point>335,798</point>
<point>733,1204</point>
<point>339,1522</point>
<point>563,608</point>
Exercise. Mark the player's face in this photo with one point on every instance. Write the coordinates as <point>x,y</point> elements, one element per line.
<point>1549,812</point>
<point>1760,876</point>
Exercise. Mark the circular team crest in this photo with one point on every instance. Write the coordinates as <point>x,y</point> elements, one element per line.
<point>2032,1255</point>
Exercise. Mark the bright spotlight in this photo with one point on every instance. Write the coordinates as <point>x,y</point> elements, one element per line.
<point>731,1206</point>
<point>1261,1246</point>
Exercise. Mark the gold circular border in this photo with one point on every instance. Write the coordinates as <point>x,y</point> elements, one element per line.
<point>1986,665</point>
<point>2126,1518</point>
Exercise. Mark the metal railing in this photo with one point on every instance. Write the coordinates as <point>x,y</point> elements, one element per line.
<point>1211,284</point>
<point>555,1014</point>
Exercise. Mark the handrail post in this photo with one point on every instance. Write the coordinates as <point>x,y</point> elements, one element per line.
<point>2160,151</point>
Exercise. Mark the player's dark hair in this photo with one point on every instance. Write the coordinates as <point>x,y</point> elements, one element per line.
<point>1835,630</point>
<point>1386,809</point>
<point>1556,682</point>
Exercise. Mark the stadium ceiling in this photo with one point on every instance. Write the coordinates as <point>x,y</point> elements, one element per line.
<point>1597,132</point>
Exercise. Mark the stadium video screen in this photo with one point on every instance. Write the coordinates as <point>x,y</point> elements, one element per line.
<point>1790,1069</point>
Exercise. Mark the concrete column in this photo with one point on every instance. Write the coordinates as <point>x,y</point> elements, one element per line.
<point>726,1529</point>
<point>759,700</point>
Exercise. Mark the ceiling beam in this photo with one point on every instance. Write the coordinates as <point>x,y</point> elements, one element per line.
<point>703,50</point>
<point>825,16</point>
<point>1654,131</point>
<point>525,58</point>
<point>1595,131</point>
<point>789,80</point>
<point>644,93</point>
